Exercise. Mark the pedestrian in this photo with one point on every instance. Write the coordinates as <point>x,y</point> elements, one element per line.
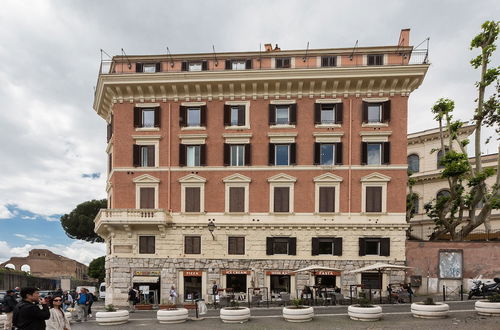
<point>132,299</point>
<point>91,301</point>
<point>17,290</point>
<point>57,320</point>
<point>32,311</point>
<point>9,303</point>
<point>67,301</point>
<point>59,292</point>
<point>82,301</point>
<point>173,295</point>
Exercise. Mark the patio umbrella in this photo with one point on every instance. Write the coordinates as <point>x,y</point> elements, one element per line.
<point>315,268</point>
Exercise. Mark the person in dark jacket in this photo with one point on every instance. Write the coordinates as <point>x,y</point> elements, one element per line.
<point>31,312</point>
<point>9,302</point>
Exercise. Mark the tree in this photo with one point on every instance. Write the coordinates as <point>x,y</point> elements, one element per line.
<point>97,269</point>
<point>79,223</point>
<point>456,213</point>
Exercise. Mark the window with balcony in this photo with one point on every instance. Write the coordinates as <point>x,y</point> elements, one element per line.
<point>326,246</point>
<point>375,59</point>
<point>236,245</point>
<point>146,117</point>
<point>281,245</point>
<point>192,245</point>
<point>146,244</point>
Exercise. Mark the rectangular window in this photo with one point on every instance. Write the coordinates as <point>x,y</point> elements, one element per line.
<point>282,115</point>
<point>374,113</point>
<point>193,117</point>
<point>234,116</point>
<point>281,199</point>
<point>372,247</point>
<point>236,245</point>
<point>148,118</point>
<point>377,59</point>
<point>192,199</point>
<point>149,67</point>
<point>195,66</point>
<point>283,63</point>
<point>374,153</point>
<point>373,199</point>
<point>327,153</point>
<point>280,245</point>
<point>192,245</point>
<point>238,65</point>
<point>327,199</point>
<point>147,156</point>
<point>147,198</point>
<point>236,199</point>
<point>282,154</point>
<point>193,155</point>
<point>237,155</point>
<point>325,246</point>
<point>327,114</point>
<point>327,61</point>
<point>371,280</point>
<point>147,244</point>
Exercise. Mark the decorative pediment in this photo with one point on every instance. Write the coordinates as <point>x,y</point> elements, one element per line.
<point>375,177</point>
<point>282,177</point>
<point>328,177</point>
<point>146,178</point>
<point>192,178</point>
<point>236,178</point>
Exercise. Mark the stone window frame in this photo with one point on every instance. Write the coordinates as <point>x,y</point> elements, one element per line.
<point>282,180</point>
<point>374,180</point>
<point>148,140</point>
<point>146,181</point>
<point>139,244</point>
<point>237,180</point>
<point>246,104</point>
<point>192,180</point>
<point>327,180</point>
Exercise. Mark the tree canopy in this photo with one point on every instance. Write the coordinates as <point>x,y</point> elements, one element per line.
<point>79,223</point>
<point>97,269</point>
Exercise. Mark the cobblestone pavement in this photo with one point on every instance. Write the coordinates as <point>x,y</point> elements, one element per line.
<point>462,316</point>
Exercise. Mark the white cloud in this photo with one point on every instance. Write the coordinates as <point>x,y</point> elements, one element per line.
<point>81,251</point>
<point>27,238</point>
<point>5,213</point>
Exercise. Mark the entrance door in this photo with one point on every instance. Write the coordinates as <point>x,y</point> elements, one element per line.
<point>192,287</point>
<point>148,292</point>
<point>325,281</point>
<point>280,283</point>
<point>237,282</point>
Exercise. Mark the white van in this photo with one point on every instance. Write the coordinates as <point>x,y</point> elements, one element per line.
<point>102,290</point>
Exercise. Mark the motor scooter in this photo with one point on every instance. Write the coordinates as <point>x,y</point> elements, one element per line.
<point>480,289</point>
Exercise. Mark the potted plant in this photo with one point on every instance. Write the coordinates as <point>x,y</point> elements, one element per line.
<point>489,307</point>
<point>234,313</point>
<point>111,316</point>
<point>429,309</point>
<point>364,310</point>
<point>298,312</point>
<point>170,313</point>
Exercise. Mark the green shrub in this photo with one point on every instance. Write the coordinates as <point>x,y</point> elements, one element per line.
<point>429,301</point>
<point>110,308</point>
<point>494,298</point>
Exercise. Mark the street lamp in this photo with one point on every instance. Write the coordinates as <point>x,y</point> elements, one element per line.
<point>211,227</point>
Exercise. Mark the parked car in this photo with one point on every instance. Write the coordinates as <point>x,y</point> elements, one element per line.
<point>46,293</point>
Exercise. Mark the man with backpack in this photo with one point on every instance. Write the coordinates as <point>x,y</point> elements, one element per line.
<point>32,311</point>
<point>8,304</point>
<point>83,302</point>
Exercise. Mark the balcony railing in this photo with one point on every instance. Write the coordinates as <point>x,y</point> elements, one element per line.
<point>131,216</point>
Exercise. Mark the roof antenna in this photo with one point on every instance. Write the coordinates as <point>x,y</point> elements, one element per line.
<point>305,56</point>
<point>128,61</point>
<point>171,58</point>
<point>353,51</point>
<point>215,56</point>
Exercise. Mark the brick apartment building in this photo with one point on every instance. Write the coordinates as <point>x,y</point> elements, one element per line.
<point>242,167</point>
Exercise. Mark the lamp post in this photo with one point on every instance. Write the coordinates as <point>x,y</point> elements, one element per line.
<point>211,228</point>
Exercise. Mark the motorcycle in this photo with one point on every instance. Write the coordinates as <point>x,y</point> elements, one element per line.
<point>480,289</point>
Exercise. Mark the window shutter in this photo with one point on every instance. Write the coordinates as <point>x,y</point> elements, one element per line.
<point>272,114</point>
<point>182,116</point>
<point>248,154</point>
<point>386,111</point>
<point>281,199</point>
<point>142,244</point>
<point>203,155</point>
<point>269,246</point>
<point>293,153</point>
<point>182,155</point>
<point>293,114</point>
<point>196,245</point>
<point>373,199</point>
<point>292,246</point>
<point>317,113</point>
<point>204,65</point>
<point>158,67</point>
<point>138,67</point>
<point>229,65</point>
<point>136,155</point>
<point>110,130</point>
<point>365,112</point>
<point>339,113</point>
<point>192,202</point>
<point>317,152</point>
<point>315,246</point>
<point>324,61</point>
<point>240,245</point>
<point>271,154</point>
<point>362,246</point>
<point>337,246</point>
<point>151,155</point>
<point>248,64</point>
<point>203,115</point>
<point>231,245</point>
<point>338,153</point>
<point>386,147</point>
<point>236,199</point>
<point>227,115</point>
<point>151,244</point>
<point>286,63</point>
<point>364,153</point>
<point>227,154</point>
<point>279,63</point>
<point>157,117</point>
<point>327,199</point>
<point>385,246</point>
<point>137,117</point>
<point>184,66</point>
<point>241,115</point>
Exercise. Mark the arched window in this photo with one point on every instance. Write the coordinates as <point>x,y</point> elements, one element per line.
<point>440,156</point>
<point>443,193</point>
<point>10,266</point>
<point>413,163</point>
<point>26,268</point>
<point>415,204</point>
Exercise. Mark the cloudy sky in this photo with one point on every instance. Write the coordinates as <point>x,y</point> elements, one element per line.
<point>52,143</point>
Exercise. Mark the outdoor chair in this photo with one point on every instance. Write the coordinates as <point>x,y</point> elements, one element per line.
<point>285,297</point>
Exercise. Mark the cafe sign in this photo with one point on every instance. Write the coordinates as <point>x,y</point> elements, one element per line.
<point>236,272</point>
<point>147,273</point>
<point>193,273</point>
<point>279,272</point>
<point>327,272</point>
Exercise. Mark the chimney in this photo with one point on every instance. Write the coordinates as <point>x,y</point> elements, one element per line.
<point>268,47</point>
<point>277,49</point>
<point>404,37</point>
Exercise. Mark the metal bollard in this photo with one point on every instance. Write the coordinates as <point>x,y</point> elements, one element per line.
<point>444,293</point>
<point>461,292</point>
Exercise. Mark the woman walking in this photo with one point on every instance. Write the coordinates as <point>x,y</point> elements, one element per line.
<point>58,320</point>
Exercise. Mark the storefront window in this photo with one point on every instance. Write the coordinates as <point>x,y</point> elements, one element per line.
<point>192,287</point>
<point>237,282</point>
<point>280,283</point>
<point>325,281</point>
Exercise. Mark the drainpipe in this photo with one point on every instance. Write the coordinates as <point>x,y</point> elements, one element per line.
<point>169,205</point>
<point>350,155</point>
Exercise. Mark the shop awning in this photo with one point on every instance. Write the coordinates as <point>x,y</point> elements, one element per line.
<point>145,279</point>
